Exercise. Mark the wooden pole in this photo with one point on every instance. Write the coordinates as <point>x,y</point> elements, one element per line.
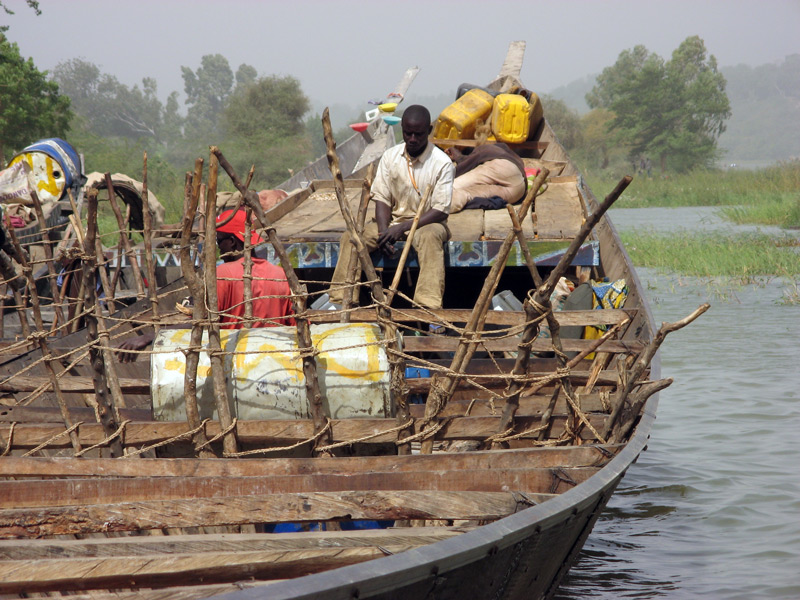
<point>192,353</point>
<point>407,247</point>
<point>316,400</point>
<point>353,269</point>
<point>229,444</point>
<point>152,286</point>
<point>101,361</point>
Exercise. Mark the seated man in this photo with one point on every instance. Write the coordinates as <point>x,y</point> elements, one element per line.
<point>489,177</point>
<point>272,305</point>
<point>404,174</point>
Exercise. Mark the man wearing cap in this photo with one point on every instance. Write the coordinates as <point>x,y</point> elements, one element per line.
<point>272,305</point>
<point>404,174</point>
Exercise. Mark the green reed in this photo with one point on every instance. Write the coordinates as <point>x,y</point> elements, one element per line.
<point>769,196</point>
<point>715,254</point>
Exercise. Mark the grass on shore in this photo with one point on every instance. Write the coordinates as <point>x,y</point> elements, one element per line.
<point>715,254</point>
<point>769,196</point>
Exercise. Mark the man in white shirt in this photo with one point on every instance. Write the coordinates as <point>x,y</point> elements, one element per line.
<point>404,174</point>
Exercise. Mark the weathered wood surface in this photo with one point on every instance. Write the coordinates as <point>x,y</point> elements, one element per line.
<point>85,385</point>
<point>543,457</point>
<point>259,508</point>
<point>441,343</point>
<point>221,542</point>
<point>30,493</point>
<point>495,317</point>
<point>272,433</point>
<point>559,211</point>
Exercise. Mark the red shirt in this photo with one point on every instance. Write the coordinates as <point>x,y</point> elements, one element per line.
<point>271,295</point>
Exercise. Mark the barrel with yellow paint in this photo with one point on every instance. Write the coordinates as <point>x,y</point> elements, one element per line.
<point>264,373</point>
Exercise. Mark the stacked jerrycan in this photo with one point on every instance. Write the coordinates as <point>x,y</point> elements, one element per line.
<point>513,117</point>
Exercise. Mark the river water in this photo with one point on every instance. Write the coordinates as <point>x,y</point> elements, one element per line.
<point>712,508</point>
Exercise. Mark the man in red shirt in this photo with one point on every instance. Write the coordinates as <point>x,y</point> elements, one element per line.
<point>272,304</point>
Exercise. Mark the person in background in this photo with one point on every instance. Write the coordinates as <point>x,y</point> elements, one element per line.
<point>272,304</point>
<point>404,174</point>
<point>489,177</point>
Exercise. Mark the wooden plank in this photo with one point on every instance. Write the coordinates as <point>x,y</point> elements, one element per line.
<point>261,508</point>
<point>494,317</point>
<point>84,385</point>
<point>542,457</point>
<point>183,592</point>
<point>45,414</point>
<point>467,391</point>
<point>440,343</point>
<point>466,225</point>
<point>266,433</point>
<point>318,218</point>
<point>34,493</point>
<point>559,210</point>
<point>134,572</point>
<point>225,542</point>
<point>497,224</point>
<point>554,166</point>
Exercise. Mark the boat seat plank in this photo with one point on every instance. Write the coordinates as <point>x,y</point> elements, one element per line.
<point>466,225</point>
<point>157,513</point>
<point>559,210</point>
<point>21,496</point>
<point>318,217</point>
<point>541,457</point>
<point>120,572</point>
<point>223,542</point>
<point>443,343</point>
<point>493,317</point>
<point>269,433</point>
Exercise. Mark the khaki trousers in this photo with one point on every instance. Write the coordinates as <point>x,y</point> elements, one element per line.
<point>428,243</point>
<point>497,177</point>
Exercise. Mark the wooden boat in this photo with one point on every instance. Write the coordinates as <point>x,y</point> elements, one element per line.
<point>491,490</point>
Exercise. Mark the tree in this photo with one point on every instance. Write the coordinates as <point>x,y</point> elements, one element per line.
<point>675,110</point>
<point>263,126</point>
<point>108,107</point>
<point>31,107</point>
<point>564,121</point>
<point>31,4</point>
<point>207,91</point>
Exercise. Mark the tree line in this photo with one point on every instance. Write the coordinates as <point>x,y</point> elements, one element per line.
<point>671,111</point>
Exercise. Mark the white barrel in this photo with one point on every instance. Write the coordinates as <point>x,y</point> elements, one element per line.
<point>264,373</point>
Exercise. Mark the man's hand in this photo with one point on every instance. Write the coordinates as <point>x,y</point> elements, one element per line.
<point>392,234</point>
<point>138,343</point>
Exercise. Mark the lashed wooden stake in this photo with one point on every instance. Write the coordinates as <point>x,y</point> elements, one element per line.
<point>229,444</point>
<point>353,268</point>
<point>192,198</point>
<point>103,368</point>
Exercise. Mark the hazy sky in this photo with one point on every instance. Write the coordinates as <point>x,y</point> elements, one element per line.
<point>350,51</point>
